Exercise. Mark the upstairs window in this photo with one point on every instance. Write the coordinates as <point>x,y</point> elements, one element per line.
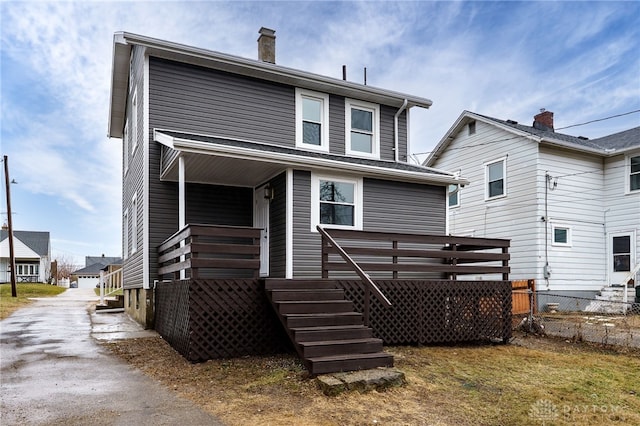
<point>495,178</point>
<point>362,129</point>
<point>336,202</point>
<point>134,224</point>
<point>312,117</point>
<point>634,173</point>
<point>125,141</point>
<point>134,121</point>
<point>471,128</point>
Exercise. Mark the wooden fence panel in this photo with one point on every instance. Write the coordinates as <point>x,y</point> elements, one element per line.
<point>520,296</point>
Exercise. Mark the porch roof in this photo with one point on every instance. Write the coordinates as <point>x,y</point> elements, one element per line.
<point>211,159</point>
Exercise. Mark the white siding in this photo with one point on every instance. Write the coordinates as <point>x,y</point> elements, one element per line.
<point>622,208</point>
<point>516,216</point>
<point>575,202</point>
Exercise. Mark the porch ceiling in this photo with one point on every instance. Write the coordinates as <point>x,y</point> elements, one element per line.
<point>213,169</point>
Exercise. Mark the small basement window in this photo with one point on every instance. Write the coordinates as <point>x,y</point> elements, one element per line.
<point>561,235</point>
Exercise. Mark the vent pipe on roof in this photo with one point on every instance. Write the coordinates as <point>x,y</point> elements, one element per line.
<point>267,45</point>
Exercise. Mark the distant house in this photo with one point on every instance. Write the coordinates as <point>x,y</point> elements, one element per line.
<point>570,205</point>
<point>89,276</point>
<point>32,256</point>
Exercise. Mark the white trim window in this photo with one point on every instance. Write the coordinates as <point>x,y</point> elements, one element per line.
<point>134,223</point>
<point>336,202</point>
<point>454,195</point>
<point>312,120</point>
<point>495,175</point>
<point>125,141</point>
<point>633,167</point>
<point>125,237</point>
<point>134,121</point>
<point>560,235</point>
<point>362,129</point>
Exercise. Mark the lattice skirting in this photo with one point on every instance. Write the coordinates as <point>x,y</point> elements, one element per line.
<point>221,318</point>
<point>437,311</point>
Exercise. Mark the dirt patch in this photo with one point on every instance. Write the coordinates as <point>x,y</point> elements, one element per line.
<point>447,385</point>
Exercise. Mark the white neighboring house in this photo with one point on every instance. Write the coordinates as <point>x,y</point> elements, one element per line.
<point>89,276</point>
<point>32,256</point>
<point>570,205</point>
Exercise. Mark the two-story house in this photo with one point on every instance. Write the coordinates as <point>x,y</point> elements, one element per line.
<point>570,205</point>
<point>218,149</point>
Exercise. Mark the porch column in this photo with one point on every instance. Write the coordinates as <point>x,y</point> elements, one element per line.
<point>182,213</point>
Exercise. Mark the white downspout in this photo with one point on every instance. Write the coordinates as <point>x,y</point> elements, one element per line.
<point>395,128</point>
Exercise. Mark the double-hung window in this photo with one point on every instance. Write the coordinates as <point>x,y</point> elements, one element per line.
<point>134,224</point>
<point>134,121</point>
<point>336,202</point>
<point>125,141</point>
<point>495,178</point>
<point>125,237</point>
<point>362,129</point>
<point>634,173</point>
<point>312,120</point>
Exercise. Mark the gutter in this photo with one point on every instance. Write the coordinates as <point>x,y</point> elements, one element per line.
<point>395,128</point>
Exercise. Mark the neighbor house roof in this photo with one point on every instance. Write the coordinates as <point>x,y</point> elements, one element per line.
<point>605,146</point>
<point>94,264</point>
<point>122,42</point>
<point>38,241</point>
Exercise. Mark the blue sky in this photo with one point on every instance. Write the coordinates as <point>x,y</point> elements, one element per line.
<point>580,60</point>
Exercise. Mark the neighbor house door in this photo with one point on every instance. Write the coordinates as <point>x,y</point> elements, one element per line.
<point>261,220</point>
<point>621,256</point>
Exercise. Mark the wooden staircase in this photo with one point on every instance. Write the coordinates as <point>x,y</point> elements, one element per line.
<point>326,331</point>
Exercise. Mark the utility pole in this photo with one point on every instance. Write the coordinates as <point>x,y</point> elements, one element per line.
<point>12,256</point>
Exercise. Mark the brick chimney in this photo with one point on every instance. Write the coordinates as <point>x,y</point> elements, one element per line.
<point>544,120</point>
<point>267,45</point>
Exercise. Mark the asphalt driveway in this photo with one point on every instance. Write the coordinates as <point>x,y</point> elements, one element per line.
<point>53,372</point>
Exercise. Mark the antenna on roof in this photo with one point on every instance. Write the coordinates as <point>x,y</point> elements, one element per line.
<point>365,76</point>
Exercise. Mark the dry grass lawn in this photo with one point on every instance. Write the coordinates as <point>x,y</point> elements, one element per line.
<point>24,292</point>
<point>532,381</point>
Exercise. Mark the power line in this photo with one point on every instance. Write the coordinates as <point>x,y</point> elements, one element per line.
<point>599,119</point>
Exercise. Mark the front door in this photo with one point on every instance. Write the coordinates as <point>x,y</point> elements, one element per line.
<point>261,220</point>
<point>621,255</point>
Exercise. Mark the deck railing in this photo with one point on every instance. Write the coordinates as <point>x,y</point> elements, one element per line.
<point>110,283</point>
<point>395,254</point>
<point>199,250</point>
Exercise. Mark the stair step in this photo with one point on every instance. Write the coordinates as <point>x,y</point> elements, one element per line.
<point>351,362</point>
<point>298,284</point>
<point>317,320</point>
<point>341,332</point>
<point>306,294</point>
<point>340,347</point>
<point>319,306</point>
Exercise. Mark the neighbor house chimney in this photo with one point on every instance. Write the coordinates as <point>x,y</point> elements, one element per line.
<point>267,45</point>
<point>544,120</point>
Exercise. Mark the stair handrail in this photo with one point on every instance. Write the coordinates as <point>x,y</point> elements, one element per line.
<point>625,296</point>
<point>369,284</point>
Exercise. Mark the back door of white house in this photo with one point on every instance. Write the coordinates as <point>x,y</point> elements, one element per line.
<point>261,220</point>
<point>621,256</point>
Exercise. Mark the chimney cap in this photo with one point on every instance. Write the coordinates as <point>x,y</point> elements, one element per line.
<point>266,31</point>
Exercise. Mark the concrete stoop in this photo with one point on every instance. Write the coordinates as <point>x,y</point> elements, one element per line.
<point>377,379</point>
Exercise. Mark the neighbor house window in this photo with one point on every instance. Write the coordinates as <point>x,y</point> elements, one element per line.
<point>634,173</point>
<point>362,128</point>
<point>134,121</point>
<point>495,178</point>
<point>561,235</point>
<point>134,223</point>
<point>454,195</point>
<point>336,202</point>
<point>312,120</point>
